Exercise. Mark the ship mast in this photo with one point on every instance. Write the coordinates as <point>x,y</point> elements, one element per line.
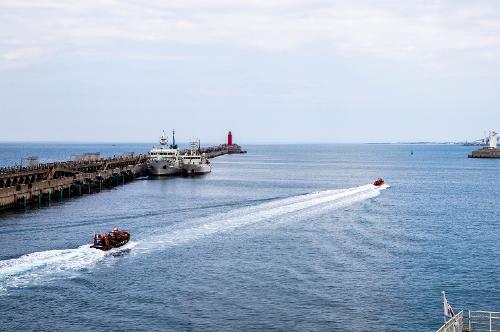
<point>194,145</point>
<point>163,139</point>
<point>173,146</point>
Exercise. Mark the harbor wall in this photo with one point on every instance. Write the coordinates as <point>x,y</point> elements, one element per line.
<point>44,183</point>
<point>485,153</point>
<point>23,187</point>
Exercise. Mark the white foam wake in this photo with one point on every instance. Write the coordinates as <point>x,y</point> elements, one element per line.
<point>45,265</point>
<point>318,202</point>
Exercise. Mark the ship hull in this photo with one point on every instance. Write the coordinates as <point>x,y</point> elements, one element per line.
<point>196,169</point>
<point>163,168</point>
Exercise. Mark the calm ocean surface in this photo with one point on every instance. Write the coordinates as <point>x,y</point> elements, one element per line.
<point>286,237</point>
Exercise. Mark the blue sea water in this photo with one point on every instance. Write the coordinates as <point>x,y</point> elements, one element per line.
<point>286,237</point>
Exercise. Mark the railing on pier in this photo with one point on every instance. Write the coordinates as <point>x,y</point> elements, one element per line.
<point>16,170</point>
<point>455,324</point>
<point>483,321</point>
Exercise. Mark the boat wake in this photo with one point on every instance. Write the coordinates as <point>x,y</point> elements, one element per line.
<point>42,266</point>
<point>273,211</point>
<point>39,267</point>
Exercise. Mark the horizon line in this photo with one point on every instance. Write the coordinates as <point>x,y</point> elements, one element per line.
<point>248,143</point>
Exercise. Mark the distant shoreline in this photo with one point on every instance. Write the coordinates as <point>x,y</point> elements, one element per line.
<point>421,143</point>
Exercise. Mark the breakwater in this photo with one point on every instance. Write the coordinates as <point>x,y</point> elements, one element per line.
<point>219,150</point>
<point>485,153</point>
<point>41,184</point>
<point>22,187</point>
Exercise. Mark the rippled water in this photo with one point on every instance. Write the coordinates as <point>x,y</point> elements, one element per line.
<point>288,237</point>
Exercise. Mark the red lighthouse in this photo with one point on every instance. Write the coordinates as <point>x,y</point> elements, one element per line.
<point>229,138</point>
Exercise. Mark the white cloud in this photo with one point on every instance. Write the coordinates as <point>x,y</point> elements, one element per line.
<point>422,31</point>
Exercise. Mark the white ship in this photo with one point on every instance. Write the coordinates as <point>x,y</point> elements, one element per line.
<point>164,160</point>
<point>194,163</point>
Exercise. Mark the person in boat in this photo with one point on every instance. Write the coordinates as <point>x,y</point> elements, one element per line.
<point>115,238</point>
<point>117,234</point>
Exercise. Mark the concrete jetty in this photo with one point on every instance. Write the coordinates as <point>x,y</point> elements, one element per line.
<point>41,184</point>
<point>488,152</point>
<point>219,150</point>
<point>21,187</point>
<point>485,153</point>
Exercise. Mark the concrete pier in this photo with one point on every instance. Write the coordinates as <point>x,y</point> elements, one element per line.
<point>41,184</point>
<point>219,150</point>
<point>23,187</point>
<point>485,153</point>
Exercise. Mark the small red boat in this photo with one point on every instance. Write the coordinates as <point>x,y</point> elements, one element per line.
<point>114,239</point>
<point>379,182</point>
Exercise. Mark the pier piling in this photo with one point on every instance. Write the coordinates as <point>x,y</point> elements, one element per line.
<point>26,186</point>
<point>23,186</point>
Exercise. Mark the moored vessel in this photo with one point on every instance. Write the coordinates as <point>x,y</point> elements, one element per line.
<point>164,160</point>
<point>194,163</point>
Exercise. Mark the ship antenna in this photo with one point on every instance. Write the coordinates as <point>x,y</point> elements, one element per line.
<point>174,146</point>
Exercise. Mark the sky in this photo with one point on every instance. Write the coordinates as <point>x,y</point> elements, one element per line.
<point>281,71</point>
